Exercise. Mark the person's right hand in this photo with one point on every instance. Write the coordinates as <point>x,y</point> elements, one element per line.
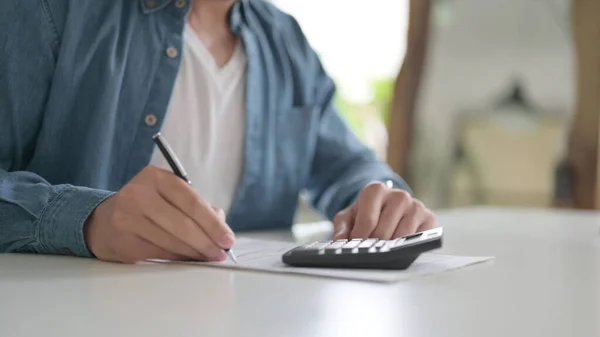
<point>157,215</point>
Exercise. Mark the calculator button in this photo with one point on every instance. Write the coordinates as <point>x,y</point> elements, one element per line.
<point>377,246</point>
<point>311,249</point>
<point>336,245</point>
<point>397,243</point>
<point>320,245</point>
<point>385,248</point>
<point>380,244</point>
<point>351,245</point>
<point>385,245</point>
<point>333,247</point>
<point>365,245</point>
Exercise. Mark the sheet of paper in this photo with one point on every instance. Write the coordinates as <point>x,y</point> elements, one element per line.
<point>265,255</point>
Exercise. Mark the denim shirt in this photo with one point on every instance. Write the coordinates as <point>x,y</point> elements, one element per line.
<point>84,84</point>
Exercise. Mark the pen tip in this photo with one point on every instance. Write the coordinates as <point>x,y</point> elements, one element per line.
<point>232,256</point>
<point>156,135</point>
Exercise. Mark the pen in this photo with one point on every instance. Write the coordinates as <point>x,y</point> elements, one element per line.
<point>177,168</point>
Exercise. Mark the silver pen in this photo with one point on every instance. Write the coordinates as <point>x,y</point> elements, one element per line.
<point>177,168</point>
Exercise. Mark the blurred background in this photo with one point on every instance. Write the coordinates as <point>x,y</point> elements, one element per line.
<point>473,102</point>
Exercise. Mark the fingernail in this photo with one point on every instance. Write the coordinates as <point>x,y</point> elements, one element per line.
<point>221,213</point>
<point>342,230</point>
<point>228,240</point>
<point>339,235</point>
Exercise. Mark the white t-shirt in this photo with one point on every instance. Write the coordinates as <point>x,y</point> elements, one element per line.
<point>205,121</point>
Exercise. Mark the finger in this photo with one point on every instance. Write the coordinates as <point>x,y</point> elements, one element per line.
<point>411,220</point>
<point>396,203</point>
<point>139,250</point>
<point>182,196</point>
<point>181,226</point>
<point>369,204</point>
<point>220,213</point>
<point>157,235</point>
<point>428,222</point>
<point>388,221</point>
<point>342,223</point>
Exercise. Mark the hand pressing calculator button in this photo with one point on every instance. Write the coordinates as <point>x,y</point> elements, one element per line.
<point>365,253</point>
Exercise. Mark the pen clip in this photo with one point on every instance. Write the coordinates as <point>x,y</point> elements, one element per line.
<point>167,152</point>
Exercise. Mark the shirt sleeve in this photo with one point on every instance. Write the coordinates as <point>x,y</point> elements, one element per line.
<point>35,216</point>
<point>342,164</point>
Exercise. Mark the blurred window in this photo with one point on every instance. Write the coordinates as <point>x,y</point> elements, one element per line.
<point>361,45</point>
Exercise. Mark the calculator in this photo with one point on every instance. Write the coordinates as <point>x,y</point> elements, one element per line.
<point>366,253</point>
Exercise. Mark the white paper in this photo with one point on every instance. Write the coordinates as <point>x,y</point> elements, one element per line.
<point>265,255</point>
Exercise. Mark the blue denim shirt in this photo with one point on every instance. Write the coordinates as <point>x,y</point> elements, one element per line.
<point>80,78</point>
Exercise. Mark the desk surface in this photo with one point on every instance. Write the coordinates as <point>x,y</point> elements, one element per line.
<point>545,281</point>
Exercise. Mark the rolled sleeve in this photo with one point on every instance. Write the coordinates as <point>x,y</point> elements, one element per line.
<point>61,224</point>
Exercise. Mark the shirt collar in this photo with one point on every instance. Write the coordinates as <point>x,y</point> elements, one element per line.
<point>238,16</point>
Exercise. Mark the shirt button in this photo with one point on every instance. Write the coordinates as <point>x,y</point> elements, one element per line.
<point>150,4</point>
<point>172,52</point>
<point>180,3</point>
<point>150,120</point>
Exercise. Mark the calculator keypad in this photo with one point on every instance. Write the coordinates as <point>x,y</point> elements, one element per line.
<point>353,246</point>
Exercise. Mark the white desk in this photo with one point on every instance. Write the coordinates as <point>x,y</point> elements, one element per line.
<point>545,281</point>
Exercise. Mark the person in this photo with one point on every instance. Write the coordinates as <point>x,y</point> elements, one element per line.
<point>235,88</point>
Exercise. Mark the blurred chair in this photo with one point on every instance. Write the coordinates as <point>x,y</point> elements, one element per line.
<point>505,154</point>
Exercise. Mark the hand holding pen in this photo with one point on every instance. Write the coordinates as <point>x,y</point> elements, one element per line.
<point>178,169</point>
<point>157,215</point>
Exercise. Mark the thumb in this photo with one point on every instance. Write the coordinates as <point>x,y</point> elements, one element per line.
<point>342,224</point>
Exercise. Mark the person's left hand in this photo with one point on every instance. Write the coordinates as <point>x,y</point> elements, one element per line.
<point>384,213</point>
